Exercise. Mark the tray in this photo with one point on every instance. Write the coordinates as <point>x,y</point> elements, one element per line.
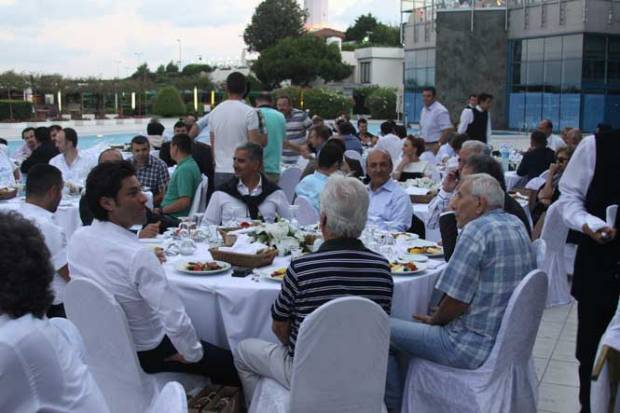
<point>245,260</point>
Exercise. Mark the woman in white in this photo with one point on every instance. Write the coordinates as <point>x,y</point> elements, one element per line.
<point>249,194</point>
<point>410,165</point>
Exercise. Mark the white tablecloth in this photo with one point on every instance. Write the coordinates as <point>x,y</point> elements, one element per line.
<point>513,180</point>
<point>225,310</point>
<point>67,216</point>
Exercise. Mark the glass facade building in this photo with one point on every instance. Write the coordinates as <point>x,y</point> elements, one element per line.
<point>419,72</point>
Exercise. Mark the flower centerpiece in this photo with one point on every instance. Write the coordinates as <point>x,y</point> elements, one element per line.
<point>425,182</point>
<point>282,236</point>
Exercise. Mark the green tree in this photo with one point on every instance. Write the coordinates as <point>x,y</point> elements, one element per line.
<point>143,72</point>
<point>196,69</point>
<point>385,35</point>
<point>168,102</point>
<point>274,20</point>
<point>161,71</point>
<point>302,60</point>
<point>363,24</point>
<point>382,103</point>
<point>172,68</point>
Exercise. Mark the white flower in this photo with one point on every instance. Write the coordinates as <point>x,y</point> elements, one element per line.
<point>286,245</point>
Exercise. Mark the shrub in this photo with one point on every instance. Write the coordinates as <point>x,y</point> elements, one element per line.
<point>361,96</point>
<point>382,103</point>
<point>293,92</point>
<point>326,103</point>
<point>22,110</point>
<point>168,102</point>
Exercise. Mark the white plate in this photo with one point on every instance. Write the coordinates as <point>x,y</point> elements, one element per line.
<point>266,275</point>
<point>421,267</point>
<point>181,268</point>
<point>414,257</point>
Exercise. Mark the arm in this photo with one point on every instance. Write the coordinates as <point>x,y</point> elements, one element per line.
<point>489,128</point>
<point>198,126</point>
<point>546,193</point>
<point>212,141</point>
<point>180,204</point>
<point>282,330</point>
<point>467,117</point>
<point>213,214</point>
<point>256,137</point>
<point>282,308</point>
<point>449,310</point>
<point>398,171</point>
<point>524,165</point>
<point>402,212</point>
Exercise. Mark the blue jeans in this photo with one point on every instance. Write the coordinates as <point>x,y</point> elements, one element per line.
<point>413,339</point>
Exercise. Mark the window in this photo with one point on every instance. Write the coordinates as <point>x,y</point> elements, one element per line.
<point>365,72</point>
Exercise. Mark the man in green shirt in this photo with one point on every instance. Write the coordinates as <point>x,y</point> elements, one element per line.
<point>274,124</point>
<point>185,179</point>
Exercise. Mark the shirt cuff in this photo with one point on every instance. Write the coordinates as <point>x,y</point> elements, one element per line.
<point>444,194</point>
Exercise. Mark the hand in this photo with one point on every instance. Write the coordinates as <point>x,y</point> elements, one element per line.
<point>425,319</point>
<point>160,254</point>
<point>177,358</point>
<point>281,329</point>
<point>554,169</point>
<point>150,231</point>
<point>450,181</point>
<point>602,236</point>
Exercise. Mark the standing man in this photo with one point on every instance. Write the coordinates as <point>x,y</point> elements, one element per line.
<point>434,120</point>
<point>476,122</point>
<point>297,124</point>
<point>554,142</point>
<point>73,164</point>
<point>150,171</point>
<point>232,123</point>
<point>589,185</point>
<point>275,126</point>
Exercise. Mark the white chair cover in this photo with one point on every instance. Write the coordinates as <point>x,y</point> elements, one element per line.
<point>351,154</point>
<point>306,215</point>
<point>289,180</point>
<point>599,393</point>
<point>535,183</point>
<point>199,203</point>
<point>110,351</point>
<point>554,234</point>
<point>351,333</point>
<point>172,399</point>
<point>505,383</point>
<point>540,248</point>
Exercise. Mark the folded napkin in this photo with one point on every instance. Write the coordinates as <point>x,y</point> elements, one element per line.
<point>244,245</point>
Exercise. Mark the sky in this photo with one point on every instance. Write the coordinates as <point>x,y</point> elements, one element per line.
<point>106,38</point>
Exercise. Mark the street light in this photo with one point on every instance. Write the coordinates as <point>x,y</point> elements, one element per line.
<point>179,42</point>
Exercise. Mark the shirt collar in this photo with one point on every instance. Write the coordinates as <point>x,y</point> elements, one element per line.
<point>114,228</point>
<point>37,209</point>
<point>244,190</point>
<point>148,162</point>
<point>387,186</point>
<point>320,175</point>
<point>184,160</point>
<point>342,244</point>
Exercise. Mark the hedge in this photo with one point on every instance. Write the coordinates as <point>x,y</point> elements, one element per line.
<point>382,103</point>
<point>293,92</point>
<point>361,96</point>
<point>22,110</point>
<point>327,104</point>
<point>168,102</point>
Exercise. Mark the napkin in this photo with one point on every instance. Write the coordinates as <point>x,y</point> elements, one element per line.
<point>612,213</point>
<point>244,245</point>
<point>414,190</point>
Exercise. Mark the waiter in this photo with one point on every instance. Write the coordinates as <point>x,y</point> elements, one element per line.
<point>476,122</point>
<point>435,121</point>
<point>589,185</point>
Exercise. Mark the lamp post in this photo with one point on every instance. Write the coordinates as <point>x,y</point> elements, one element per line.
<point>180,51</point>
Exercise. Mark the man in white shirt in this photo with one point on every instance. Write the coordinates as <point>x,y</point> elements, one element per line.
<point>43,195</point>
<point>390,206</point>
<point>73,164</point>
<point>108,253</point>
<point>389,142</point>
<point>9,172</point>
<point>42,363</point>
<point>30,144</point>
<point>434,120</point>
<point>554,142</point>
<point>476,121</point>
<point>232,123</point>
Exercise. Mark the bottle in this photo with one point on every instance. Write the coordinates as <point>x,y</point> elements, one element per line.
<point>505,153</point>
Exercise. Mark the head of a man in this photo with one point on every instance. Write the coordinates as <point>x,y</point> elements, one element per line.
<point>236,84</point>
<point>140,149</point>
<point>26,268</point>
<point>44,186</point>
<point>264,99</point>
<point>113,194</point>
<point>429,94</point>
<point>189,120</point>
<point>485,101</point>
<point>110,155</point>
<point>330,158</point>
<point>284,105</point>
<point>476,195</point>
<point>180,147</point>
<point>362,126</point>
<point>484,164</point>
<point>54,130</point>
<point>155,128</point>
<point>538,139</point>
<point>472,100</point>
<point>248,160</point>
<point>546,127</point>
<point>563,155</point>
<point>379,167</point>
<point>387,127</point>
<point>180,128</point>
<point>345,128</point>
<point>344,208</point>
<point>29,139</point>
<point>317,136</point>
<point>573,137</point>
<point>42,135</point>
<point>470,148</point>
<point>317,121</point>
<point>66,140</point>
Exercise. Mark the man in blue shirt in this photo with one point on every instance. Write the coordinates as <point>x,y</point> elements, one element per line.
<point>493,254</point>
<point>330,161</point>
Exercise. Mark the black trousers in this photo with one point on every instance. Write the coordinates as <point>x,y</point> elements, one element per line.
<point>216,363</point>
<point>56,311</point>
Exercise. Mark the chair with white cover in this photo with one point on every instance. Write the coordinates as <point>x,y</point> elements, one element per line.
<point>351,154</point>
<point>535,183</point>
<point>351,333</point>
<point>307,214</point>
<point>506,382</point>
<point>199,203</point>
<point>554,234</point>
<point>110,350</point>
<point>172,399</point>
<point>540,248</point>
<point>601,387</point>
<point>289,180</point>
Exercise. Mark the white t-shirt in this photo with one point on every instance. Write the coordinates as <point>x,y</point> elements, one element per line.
<point>230,122</point>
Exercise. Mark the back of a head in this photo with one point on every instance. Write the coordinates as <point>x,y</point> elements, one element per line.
<point>485,186</point>
<point>71,136</point>
<point>338,142</point>
<point>346,128</point>
<point>236,83</point>
<point>42,134</point>
<point>106,180</point>
<point>339,194</point>
<point>387,127</point>
<point>330,154</point>
<point>476,147</point>
<point>41,178</point>
<point>457,141</point>
<point>400,131</point>
<point>539,139</point>
<point>322,131</point>
<point>110,154</point>
<point>183,143</point>
<point>265,98</point>
<point>155,128</point>
<point>485,164</point>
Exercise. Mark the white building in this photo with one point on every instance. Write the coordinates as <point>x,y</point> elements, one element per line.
<point>317,13</point>
<point>381,66</point>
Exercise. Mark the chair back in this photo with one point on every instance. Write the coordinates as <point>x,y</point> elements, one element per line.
<point>199,203</point>
<point>307,214</point>
<point>554,234</point>
<point>352,333</point>
<point>289,180</point>
<point>540,249</point>
<point>110,351</point>
<point>449,233</point>
<point>517,333</point>
<point>171,399</point>
<point>356,156</point>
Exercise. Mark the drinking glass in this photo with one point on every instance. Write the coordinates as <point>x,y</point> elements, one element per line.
<point>294,210</point>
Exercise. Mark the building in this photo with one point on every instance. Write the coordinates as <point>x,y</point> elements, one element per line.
<point>556,59</point>
<point>381,66</point>
<point>317,13</point>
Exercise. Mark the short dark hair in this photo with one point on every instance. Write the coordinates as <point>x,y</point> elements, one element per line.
<point>488,165</point>
<point>430,89</point>
<point>361,120</point>
<point>55,128</point>
<point>26,268</point>
<point>387,127</point>
<point>28,129</point>
<point>139,140</point>
<point>473,95</point>
<point>265,97</point>
<point>346,128</point>
<point>457,141</point>
<point>418,144</point>
<point>236,83</point>
<point>254,150</point>
<point>539,138</point>
<point>41,178</point>
<point>483,97</point>
<point>321,131</point>
<point>3,141</point>
<point>71,136</point>
<point>180,124</point>
<point>42,134</point>
<point>336,141</point>
<point>330,154</point>
<point>155,128</point>
<point>105,180</point>
<point>183,143</point>
<point>549,123</point>
<point>400,131</point>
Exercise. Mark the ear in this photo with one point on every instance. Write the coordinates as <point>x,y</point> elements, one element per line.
<point>322,221</point>
<point>107,203</point>
<point>482,205</point>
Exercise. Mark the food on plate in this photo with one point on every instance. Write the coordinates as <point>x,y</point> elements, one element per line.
<point>403,267</point>
<point>425,250</point>
<point>203,266</point>
<point>279,273</point>
<point>245,224</point>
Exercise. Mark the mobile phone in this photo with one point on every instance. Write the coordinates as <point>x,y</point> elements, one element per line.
<point>241,271</point>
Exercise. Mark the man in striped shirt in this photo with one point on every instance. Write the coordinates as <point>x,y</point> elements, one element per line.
<point>341,267</point>
<point>297,124</point>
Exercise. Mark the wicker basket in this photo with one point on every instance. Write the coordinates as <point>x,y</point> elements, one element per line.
<point>422,199</point>
<point>7,194</point>
<point>245,260</point>
<point>229,239</point>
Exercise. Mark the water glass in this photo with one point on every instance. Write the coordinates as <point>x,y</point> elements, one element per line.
<point>294,210</point>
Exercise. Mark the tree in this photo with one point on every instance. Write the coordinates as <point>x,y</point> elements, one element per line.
<point>196,69</point>
<point>161,70</point>
<point>172,68</point>
<point>302,60</point>
<point>385,35</point>
<point>168,102</point>
<point>143,72</point>
<point>363,24</point>
<point>274,20</point>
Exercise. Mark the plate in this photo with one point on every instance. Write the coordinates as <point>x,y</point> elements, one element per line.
<point>420,268</point>
<point>181,267</point>
<point>431,252</point>
<point>268,275</point>
<point>414,257</point>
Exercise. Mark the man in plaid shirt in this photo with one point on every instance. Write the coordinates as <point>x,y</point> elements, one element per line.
<point>492,255</point>
<point>150,171</point>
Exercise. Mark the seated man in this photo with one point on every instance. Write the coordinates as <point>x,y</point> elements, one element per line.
<point>151,172</point>
<point>42,367</point>
<point>42,152</point>
<point>154,132</point>
<point>9,172</point>
<point>72,163</point>
<point>184,182</point>
<point>492,256</point>
<point>538,158</point>
<point>43,195</point>
<point>333,271</point>
<point>29,145</point>
<point>330,161</point>
<point>109,254</point>
<point>390,206</point>
<point>248,192</point>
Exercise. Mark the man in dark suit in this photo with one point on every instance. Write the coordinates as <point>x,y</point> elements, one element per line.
<point>43,152</point>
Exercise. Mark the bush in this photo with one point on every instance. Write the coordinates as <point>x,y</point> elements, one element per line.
<point>22,110</point>
<point>293,92</point>
<point>361,96</point>
<point>168,102</point>
<point>382,103</point>
<point>327,104</point>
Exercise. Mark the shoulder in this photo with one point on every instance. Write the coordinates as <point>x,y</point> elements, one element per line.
<point>56,159</point>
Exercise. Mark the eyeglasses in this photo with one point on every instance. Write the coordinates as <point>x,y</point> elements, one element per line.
<point>562,160</point>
